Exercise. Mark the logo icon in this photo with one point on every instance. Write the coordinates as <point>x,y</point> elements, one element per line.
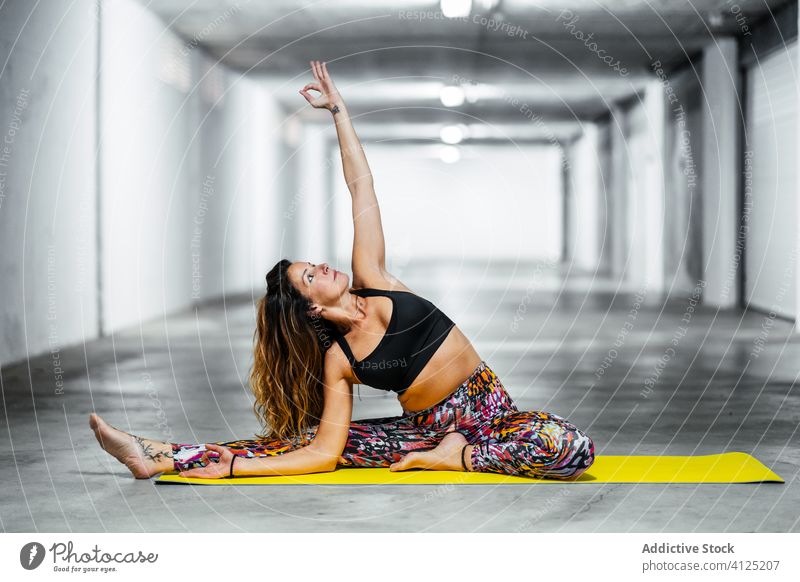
<point>31,555</point>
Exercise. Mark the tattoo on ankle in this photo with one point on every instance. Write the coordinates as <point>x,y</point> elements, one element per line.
<point>150,453</point>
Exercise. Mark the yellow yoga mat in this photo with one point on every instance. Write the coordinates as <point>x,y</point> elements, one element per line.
<point>724,468</point>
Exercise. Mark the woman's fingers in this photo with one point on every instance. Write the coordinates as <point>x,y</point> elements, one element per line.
<point>314,87</point>
<point>220,450</point>
<point>192,473</point>
<point>323,82</point>
<point>310,98</point>
<point>211,471</point>
<point>200,474</point>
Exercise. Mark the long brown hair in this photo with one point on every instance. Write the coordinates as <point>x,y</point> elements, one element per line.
<point>289,352</point>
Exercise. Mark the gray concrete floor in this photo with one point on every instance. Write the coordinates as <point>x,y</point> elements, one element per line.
<point>183,379</point>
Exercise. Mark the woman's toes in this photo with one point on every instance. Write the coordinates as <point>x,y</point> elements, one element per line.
<point>444,457</point>
<point>407,462</point>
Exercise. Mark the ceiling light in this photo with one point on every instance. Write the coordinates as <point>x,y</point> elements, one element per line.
<point>452,134</point>
<point>449,154</point>
<point>452,96</point>
<point>715,19</point>
<point>456,8</point>
<point>488,5</point>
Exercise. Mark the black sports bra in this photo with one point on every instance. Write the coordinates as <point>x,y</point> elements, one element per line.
<point>416,330</point>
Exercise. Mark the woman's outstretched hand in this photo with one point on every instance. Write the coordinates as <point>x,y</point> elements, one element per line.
<point>213,470</point>
<point>329,96</point>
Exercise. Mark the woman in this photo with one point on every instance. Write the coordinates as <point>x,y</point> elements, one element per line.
<point>311,325</point>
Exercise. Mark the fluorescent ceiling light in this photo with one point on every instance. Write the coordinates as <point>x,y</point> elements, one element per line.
<point>456,8</point>
<point>451,96</point>
<point>452,134</point>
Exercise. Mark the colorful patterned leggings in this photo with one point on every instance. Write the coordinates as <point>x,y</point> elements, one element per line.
<point>530,444</point>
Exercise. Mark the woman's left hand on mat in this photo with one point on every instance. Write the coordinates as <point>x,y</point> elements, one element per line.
<point>212,470</point>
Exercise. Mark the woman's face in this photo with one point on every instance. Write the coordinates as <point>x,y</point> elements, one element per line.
<point>320,284</point>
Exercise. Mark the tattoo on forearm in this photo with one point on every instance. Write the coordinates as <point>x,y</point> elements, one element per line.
<point>335,109</point>
<point>150,453</point>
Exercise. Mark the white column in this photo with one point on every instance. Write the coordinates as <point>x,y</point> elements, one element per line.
<point>314,202</point>
<point>585,208</point>
<point>721,170</point>
<point>797,231</point>
<point>645,190</point>
<point>654,269</point>
<point>617,194</point>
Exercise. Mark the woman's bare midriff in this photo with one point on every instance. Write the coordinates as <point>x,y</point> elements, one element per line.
<point>450,366</point>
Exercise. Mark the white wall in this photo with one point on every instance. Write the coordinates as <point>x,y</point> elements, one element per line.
<point>168,119</point>
<point>48,292</point>
<point>615,180</point>
<point>586,205</point>
<point>146,133</point>
<point>620,219</point>
<point>683,162</point>
<point>772,194</point>
<point>501,202</point>
<point>288,182</point>
<point>645,196</point>
<point>240,125</point>
<point>189,157</point>
<point>314,194</point>
<point>722,167</point>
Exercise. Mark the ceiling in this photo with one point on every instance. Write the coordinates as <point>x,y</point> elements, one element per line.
<point>390,59</point>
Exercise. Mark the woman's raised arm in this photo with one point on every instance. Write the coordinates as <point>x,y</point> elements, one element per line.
<point>369,253</point>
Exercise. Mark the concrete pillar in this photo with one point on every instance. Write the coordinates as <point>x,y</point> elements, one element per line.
<point>721,170</point>
<point>314,201</point>
<point>584,204</point>
<point>645,190</point>
<point>797,231</point>
<point>654,266</point>
<point>288,198</point>
<point>566,193</point>
<point>617,194</point>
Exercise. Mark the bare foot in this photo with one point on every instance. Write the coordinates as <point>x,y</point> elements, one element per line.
<point>143,457</point>
<point>445,457</point>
